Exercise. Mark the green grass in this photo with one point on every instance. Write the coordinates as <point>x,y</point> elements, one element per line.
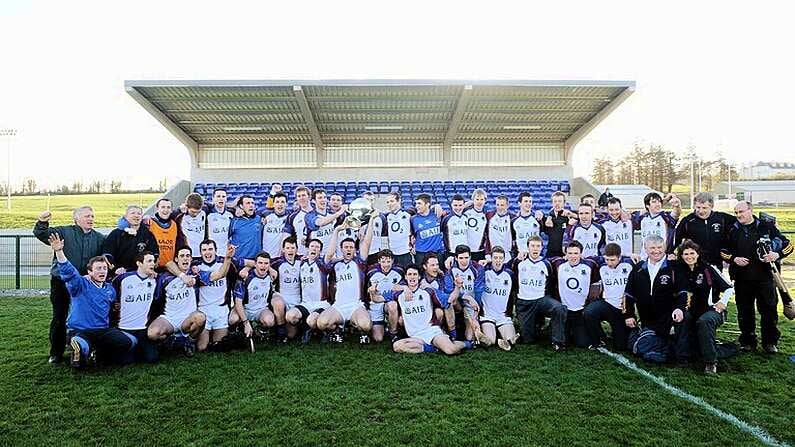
<point>351,395</point>
<point>26,282</point>
<point>107,208</point>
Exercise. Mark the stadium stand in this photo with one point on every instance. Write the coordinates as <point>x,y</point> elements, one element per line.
<point>441,192</point>
<point>442,137</point>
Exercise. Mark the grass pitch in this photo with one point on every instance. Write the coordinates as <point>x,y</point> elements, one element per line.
<point>352,395</point>
<point>107,208</point>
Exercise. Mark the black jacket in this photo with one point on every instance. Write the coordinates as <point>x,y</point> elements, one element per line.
<point>655,303</point>
<point>702,282</point>
<point>121,247</point>
<point>742,242</point>
<point>710,234</point>
<point>79,246</point>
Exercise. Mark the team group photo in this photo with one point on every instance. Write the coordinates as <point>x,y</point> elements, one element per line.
<point>405,224</point>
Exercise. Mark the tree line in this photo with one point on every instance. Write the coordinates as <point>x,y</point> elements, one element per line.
<point>660,168</point>
<point>29,186</point>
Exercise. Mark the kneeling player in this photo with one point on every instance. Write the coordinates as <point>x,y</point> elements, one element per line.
<point>421,311</point>
<point>254,297</point>
<point>433,277</point>
<point>497,299</point>
<point>314,291</point>
<point>214,296</point>
<point>178,317</point>
<point>614,270</point>
<point>134,293</point>
<point>382,279</point>
<point>348,276</point>
<point>464,285</point>
<point>577,281</point>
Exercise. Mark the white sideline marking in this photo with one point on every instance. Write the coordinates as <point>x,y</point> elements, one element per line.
<point>758,432</point>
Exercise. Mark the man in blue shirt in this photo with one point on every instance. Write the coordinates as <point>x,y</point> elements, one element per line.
<point>245,231</point>
<point>426,229</point>
<point>88,325</point>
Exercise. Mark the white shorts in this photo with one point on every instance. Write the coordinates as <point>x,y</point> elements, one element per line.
<point>497,320</point>
<point>428,334</point>
<point>217,316</point>
<point>174,321</point>
<point>311,306</point>
<point>253,314</point>
<point>347,309</point>
<point>377,312</point>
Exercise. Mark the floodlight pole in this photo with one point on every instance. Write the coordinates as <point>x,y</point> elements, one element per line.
<point>8,133</point>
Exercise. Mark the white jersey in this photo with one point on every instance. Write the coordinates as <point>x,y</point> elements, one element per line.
<point>379,227</point>
<point>296,226</point>
<point>663,225</point>
<point>591,237</point>
<point>289,280</point>
<point>418,312</point>
<point>476,229</point>
<point>496,297</point>
<point>320,232</point>
<point>574,281</point>
<point>255,292</point>
<point>614,280</point>
<point>499,232</point>
<point>454,230</point>
<point>621,233</point>
<point>218,229</point>
<point>135,296</point>
<point>398,231</point>
<point>524,227</point>
<point>193,230</point>
<point>384,281</point>
<point>212,292</point>
<point>314,281</point>
<point>273,233</point>
<point>180,299</point>
<point>349,280</point>
<point>532,277</point>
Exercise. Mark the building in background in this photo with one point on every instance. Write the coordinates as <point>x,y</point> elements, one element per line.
<point>768,170</point>
<point>759,192</point>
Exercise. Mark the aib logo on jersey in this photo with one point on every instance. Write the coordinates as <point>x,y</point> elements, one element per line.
<point>415,309</point>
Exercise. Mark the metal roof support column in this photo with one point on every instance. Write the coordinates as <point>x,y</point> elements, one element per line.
<point>571,142</point>
<point>458,114</point>
<point>190,143</point>
<point>306,111</point>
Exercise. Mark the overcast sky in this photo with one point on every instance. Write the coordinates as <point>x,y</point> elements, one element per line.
<point>716,75</point>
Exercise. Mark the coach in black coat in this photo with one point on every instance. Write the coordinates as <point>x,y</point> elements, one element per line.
<point>660,301</point>
<point>707,228</point>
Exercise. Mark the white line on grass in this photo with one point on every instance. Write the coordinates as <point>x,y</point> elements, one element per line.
<point>757,432</point>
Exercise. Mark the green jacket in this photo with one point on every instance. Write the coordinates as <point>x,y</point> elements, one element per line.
<point>79,246</point>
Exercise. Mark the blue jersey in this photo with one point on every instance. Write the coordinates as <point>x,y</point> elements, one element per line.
<point>90,305</point>
<point>427,231</point>
<point>246,233</point>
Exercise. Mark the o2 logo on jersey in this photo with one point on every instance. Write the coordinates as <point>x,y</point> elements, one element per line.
<point>472,222</point>
<point>574,284</point>
<point>394,226</point>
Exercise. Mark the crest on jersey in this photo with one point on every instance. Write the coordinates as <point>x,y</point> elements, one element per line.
<point>658,224</point>
<point>582,272</point>
<point>394,280</point>
<point>141,246</point>
<point>624,225</point>
<point>664,279</point>
<point>624,270</point>
<point>716,227</point>
<point>596,235</point>
<point>505,283</point>
<point>347,266</point>
<point>311,269</point>
<point>700,279</point>
<point>469,277</point>
<point>403,216</point>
